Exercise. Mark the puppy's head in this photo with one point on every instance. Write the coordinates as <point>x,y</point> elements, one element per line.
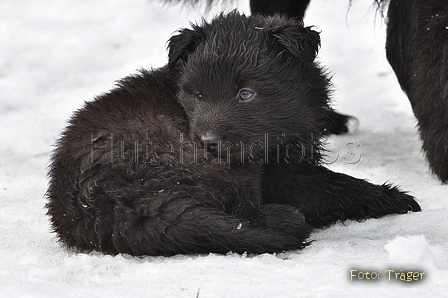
<point>246,77</point>
<point>289,34</point>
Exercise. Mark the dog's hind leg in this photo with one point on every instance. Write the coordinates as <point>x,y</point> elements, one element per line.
<point>181,225</point>
<point>417,44</point>
<point>429,82</point>
<point>325,197</point>
<point>112,212</point>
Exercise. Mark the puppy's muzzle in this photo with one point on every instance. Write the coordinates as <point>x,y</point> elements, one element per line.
<point>210,141</point>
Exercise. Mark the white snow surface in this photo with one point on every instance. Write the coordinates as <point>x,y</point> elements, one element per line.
<point>56,54</point>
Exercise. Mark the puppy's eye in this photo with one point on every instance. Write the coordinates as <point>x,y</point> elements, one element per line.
<point>199,96</point>
<point>245,94</point>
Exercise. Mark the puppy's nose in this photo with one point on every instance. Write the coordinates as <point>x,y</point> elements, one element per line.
<point>211,141</point>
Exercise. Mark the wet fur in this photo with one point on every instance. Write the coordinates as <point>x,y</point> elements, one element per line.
<point>130,173</point>
<point>416,48</point>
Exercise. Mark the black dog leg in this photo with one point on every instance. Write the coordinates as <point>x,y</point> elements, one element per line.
<point>109,212</point>
<point>417,44</point>
<point>325,197</point>
<point>291,8</point>
<point>339,124</point>
<point>185,226</point>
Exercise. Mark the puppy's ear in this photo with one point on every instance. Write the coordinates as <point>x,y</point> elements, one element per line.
<point>183,44</point>
<point>302,42</point>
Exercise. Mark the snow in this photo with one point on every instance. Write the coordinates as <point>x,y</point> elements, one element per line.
<point>57,54</point>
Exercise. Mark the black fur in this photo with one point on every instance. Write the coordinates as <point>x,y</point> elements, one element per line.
<point>133,173</point>
<point>416,46</point>
<point>291,8</point>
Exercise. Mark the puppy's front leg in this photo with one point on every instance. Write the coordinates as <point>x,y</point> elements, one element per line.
<point>325,197</point>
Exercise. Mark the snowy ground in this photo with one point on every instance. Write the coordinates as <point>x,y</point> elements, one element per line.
<point>55,54</point>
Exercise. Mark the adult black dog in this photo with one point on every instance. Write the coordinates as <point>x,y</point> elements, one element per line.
<point>417,43</point>
<point>217,152</point>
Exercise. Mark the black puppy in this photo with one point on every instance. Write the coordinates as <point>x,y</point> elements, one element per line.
<point>217,152</point>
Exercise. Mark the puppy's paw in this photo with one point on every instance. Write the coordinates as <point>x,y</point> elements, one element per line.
<point>352,124</point>
<point>339,124</point>
<point>287,219</point>
<point>399,200</point>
